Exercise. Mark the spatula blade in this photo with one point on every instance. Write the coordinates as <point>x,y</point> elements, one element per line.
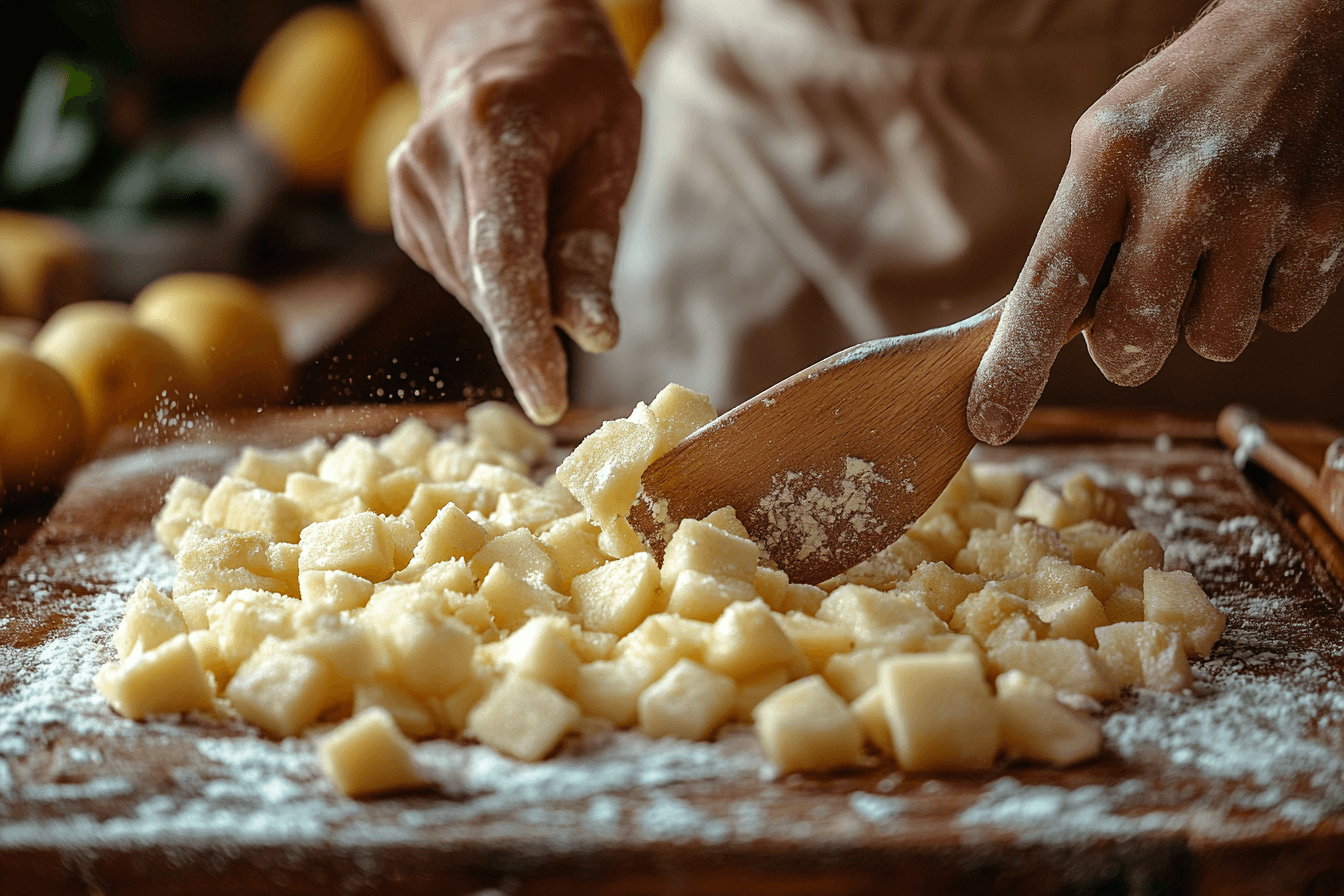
<point>834,464</point>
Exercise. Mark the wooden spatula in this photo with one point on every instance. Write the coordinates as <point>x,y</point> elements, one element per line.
<point>832,465</point>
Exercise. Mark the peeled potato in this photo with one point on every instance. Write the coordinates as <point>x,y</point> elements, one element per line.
<point>366,182</point>
<point>310,88</point>
<point>42,423</point>
<point>44,264</point>
<point>121,371</point>
<point>223,328</point>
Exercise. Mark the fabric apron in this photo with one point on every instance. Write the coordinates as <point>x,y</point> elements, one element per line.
<point>816,173</point>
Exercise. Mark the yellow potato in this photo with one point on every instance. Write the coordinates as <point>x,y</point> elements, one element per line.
<point>121,371</point>
<point>223,328</point>
<point>310,89</point>
<point>42,423</point>
<point>44,264</point>
<point>389,121</point>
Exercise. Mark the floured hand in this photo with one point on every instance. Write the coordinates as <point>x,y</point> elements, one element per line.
<point>509,187</point>
<point>1218,168</point>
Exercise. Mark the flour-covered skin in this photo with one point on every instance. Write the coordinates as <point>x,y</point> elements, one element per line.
<point>509,187</point>
<point>1218,168</point>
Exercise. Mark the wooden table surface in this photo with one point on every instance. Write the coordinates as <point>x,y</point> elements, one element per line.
<point>1234,787</point>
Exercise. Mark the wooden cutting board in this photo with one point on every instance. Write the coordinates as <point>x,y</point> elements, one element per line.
<point>1236,787</point>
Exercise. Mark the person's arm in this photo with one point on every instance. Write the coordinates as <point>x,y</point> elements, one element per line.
<point>1218,168</point>
<point>509,187</point>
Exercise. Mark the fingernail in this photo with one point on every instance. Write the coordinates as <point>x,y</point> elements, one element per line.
<point>993,423</point>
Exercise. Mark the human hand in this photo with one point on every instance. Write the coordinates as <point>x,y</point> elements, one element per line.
<point>1218,169</point>
<point>509,187</point>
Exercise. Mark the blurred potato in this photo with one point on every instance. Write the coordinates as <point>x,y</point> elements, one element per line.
<point>389,121</point>
<point>223,328</point>
<point>121,371</point>
<point>43,423</point>
<point>310,89</point>
<point>44,264</point>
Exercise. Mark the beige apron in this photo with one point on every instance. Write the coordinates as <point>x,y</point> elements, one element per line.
<point>816,173</point>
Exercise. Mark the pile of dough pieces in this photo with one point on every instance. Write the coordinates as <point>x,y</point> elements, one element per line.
<point>418,586</point>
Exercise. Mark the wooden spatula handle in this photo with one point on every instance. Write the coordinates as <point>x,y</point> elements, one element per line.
<point>1239,428</point>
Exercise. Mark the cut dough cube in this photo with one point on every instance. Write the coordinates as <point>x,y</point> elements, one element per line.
<point>700,595</point>
<point>617,597</point>
<point>523,554</point>
<point>505,429</point>
<point>1124,605</point>
<point>678,412</point>
<point>269,468</point>
<point>246,618</point>
<point>1128,556</point>
<point>354,462</point>
<point>664,638</point>
<point>498,481</point>
<point>1035,725</point>
<point>359,544</point>
<point>889,567</point>
<point>432,656</point>
<point>259,510</point>
<point>279,691</point>
<point>150,620</point>
<point>706,548</point>
<point>1086,541</point>
<point>533,509</point>
<point>617,538</point>
<point>1146,654</point>
<point>1018,552</point>
<point>334,590</point>
<point>940,712</point>
<point>817,639</point>
<point>523,718</point>
<point>603,471</point>
<point>689,702</point>
<point>751,691</point>
<point>322,500</point>
<point>985,515</point>
<point>746,640</point>
<point>725,518</point>
<point>216,506</point>
<point>181,507</point>
<point>450,575</point>
<point>451,535</point>
<point>573,544</point>
<point>1001,484</point>
<point>610,689</point>
<point>431,497</point>
<point>412,715</point>
<point>512,599</point>
<point>805,726</point>
<point>1067,665</point>
<point>983,612</point>
<point>206,645</point>
<point>228,561</point>
<point>1055,578</point>
<point>870,710</point>
<point>452,711</point>
<point>367,755</point>
<point>941,588</point>
<point>1175,599</point>
<point>940,533</point>
<point>773,587</point>
<point>390,494</point>
<point>542,650</point>
<point>195,607</point>
<point>1075,615</point>
<point>408,443</point>
<point>168,678</point>
<point>343,645</point>
<point>802,598</point>
<point>872,615</point>
<point>851,674</point>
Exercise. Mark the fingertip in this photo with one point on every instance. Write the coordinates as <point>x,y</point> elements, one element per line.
<point>538,371</point>
<point>993,423</point>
